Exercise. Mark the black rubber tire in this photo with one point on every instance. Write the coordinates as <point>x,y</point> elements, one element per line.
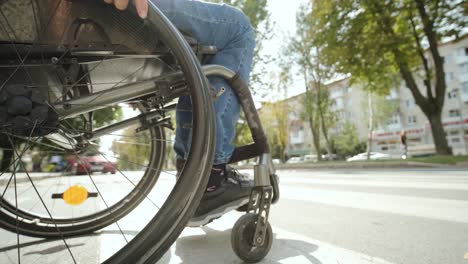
<point>242,239</point>
<point>44,227</point>
<point>160,233</point>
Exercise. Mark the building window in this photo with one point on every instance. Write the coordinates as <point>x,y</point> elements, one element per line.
<point>461,52</point>
<point>448,58</point>
<point>449,76</point>
<point>394,120</point>
<point>452,95</point>
<point>412,119</point>
<point>464,68</point>
<point>466,51</point>
<point>454,132</point>
<point>410,103</point>
<point>454,113</point>
<point>465,87</point>
<point>456,140</point>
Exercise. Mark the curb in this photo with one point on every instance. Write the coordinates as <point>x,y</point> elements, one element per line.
<point>357,165</point>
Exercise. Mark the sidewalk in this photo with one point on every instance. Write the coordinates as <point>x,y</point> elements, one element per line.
<point>209,244</point>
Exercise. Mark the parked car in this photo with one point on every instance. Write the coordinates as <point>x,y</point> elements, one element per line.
<point>295,160</point>
<point>310,158</point>
<point>276,161</point>
<point>330,157</point>
<point>90,164</point>
<point>373,156</point>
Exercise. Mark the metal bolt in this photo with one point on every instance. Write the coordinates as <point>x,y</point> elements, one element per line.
<point>54,60</point>
<point>259,240</point>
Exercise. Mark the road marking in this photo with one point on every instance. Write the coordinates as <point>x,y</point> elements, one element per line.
<point>388,184</point>
<point>442,209</point>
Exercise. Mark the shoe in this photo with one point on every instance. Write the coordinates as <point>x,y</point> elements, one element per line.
<point>232,193</point>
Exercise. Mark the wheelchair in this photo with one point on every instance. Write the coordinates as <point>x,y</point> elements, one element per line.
<point>79,76</point>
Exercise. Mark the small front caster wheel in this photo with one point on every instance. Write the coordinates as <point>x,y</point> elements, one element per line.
<point>242,239</point>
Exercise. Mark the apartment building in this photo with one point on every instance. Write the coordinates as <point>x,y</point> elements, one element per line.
<point>347,103</point>
<point>350,104</point>
<point>410,118</point>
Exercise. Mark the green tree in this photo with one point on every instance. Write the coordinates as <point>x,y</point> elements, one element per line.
<point>307,55</point>
<point>328,117</point>
<point>275,120</point>
<point>374,40</point>
<point>275,115</point>
<point>311,115</point>
<point>378,110</point>
<point>347,143</point>
<point>132,149</point>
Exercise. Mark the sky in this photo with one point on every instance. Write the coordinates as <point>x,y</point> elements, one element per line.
<point>283,14</point>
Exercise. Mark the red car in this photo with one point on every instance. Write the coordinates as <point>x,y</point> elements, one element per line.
<point>90,164</point>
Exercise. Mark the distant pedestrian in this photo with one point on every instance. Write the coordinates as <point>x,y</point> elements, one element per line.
<point>404,143</point>
<point>37,161</point>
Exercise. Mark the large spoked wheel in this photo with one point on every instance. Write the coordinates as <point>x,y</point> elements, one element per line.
<point>36,221</point>
<point>85,90</point>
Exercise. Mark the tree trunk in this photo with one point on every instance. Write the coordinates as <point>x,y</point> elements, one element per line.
<point>315,137</point>
<point>430,105</point>
<point>371,126</point>
<point>325,136</point>
<point>438,134</point>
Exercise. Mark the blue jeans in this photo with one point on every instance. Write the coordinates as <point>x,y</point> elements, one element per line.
<point>230,31</point>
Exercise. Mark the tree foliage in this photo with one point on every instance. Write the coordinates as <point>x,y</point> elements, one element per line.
<point>307,55</point>
<point>374,41</point>
<point>275,115</point>
<point>378,109</point>
<point>132,149</point>
<point>347,143</point>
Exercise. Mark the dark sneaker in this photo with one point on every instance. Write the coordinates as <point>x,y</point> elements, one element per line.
<point>232,193</point>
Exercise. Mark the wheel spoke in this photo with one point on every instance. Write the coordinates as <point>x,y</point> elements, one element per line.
<point>33,45</point>
<point>99,63</point>
<point>140,155</point>
<point>12,41</point>
<point>45,207</point>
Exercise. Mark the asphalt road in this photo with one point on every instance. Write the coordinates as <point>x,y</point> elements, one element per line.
<point>410,216</point>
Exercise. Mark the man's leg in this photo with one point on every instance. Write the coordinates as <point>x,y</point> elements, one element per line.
<point>230,31</point>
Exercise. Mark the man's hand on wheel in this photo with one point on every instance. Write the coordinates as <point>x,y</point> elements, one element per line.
<point>141,6</point>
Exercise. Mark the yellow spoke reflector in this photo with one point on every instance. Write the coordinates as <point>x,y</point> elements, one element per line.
<point>75,195</point>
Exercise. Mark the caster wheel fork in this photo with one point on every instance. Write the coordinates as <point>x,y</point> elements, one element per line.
<point>252,236</point>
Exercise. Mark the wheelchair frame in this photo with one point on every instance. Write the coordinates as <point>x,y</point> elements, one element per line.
<point>163,89</point>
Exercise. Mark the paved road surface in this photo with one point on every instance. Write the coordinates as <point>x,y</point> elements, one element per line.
<point>415,216</point>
